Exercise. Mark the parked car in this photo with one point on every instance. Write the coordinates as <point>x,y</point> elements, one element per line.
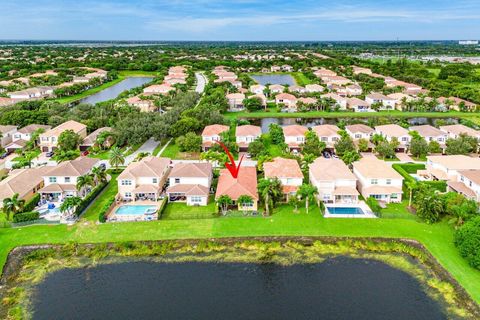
<point>103,166</point>
<point>49,154</point>
<point>85,153</point>
<point>326,155</point>
<point>3,155</point>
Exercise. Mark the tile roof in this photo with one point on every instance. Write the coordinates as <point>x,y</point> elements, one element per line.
<point>191,170</point>
<point>323,169</point>
<point>76,167</point>
<point>354,128</point>
<point>245,184</point>
<point>294,130</point>
<point>214,130</point>
<point>371,167</point>
<point>248,130</point>
<point>282,168</point>
<point>147,167</point>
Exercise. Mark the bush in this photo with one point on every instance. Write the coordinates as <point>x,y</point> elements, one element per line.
<point>405,169</point>
<point>26,216</point>
<point>373,204</point>
<point>467,240</point>
<point>102,215</point>
<point>89,198</point>
<point>32,203</point>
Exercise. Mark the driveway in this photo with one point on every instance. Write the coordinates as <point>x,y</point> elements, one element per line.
<point>403,157</point>
<point>201,82</point>
<point>148,146</point>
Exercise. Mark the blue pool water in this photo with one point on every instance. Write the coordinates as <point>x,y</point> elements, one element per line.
<point>345,210</point>
<point>135,210</point>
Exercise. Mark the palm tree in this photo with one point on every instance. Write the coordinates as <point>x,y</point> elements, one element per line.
<point>411,185</point>
<point>84,181</point>
<point>245,201</point>
<point>99,175</point>
<point>307,192</point>
<point>223,202</point>
<point>69,204</point>
<point>116,157</point>
<point>13,205</point>
<point>270,190</point>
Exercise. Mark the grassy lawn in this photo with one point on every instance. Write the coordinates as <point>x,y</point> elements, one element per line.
<point>171,151</point>
<point>35,152</point>
<point>397,211</point>
<point>174,211</point>
<point>435,71</point>
<point>300,78</point>
<point>271,113</point>
<point>91,214</point>
<point>102,155</point>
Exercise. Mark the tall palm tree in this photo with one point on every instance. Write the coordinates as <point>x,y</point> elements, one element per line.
<point>85,181</point>
<point>307,192</point>
<point>12,205</point>
<point>411,185</point>
<point>116,157</point>
<point>99,175</point>
<point>270,190</point>
<point>69,204</point>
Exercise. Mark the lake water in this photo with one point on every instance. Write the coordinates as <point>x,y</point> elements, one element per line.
<point>113,91</point>
<point>339,288</point>
<point>282,79</point>
<point>265,122</point>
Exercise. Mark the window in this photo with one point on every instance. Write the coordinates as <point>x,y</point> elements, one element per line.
<point>404,138</point>
<point>177,180</point>
<point>154,180</point>
<point>52,179</point>
<point>128,194</point>
<point>196,199</point>
<point>389,181</point>
<point>126,182</point>
<point>374,181</point>
<point>394,196</point>
<point>67,179</point>
<point>358,136</point>
<point>335,139</point>
<point>324,139</point>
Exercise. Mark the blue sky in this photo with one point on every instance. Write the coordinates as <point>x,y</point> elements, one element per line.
<point>240,19</point>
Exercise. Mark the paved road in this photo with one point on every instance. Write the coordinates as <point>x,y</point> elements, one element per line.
<point>201,82</point>
<point>148,146</point>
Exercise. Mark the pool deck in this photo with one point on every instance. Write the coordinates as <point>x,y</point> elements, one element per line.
<point>112,217</point>
<point>367,213</point>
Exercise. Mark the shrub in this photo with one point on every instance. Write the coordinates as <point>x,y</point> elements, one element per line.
<point>26,216</point>
<point>89,198</point>
<point>102,215</point>
<point>373,204</point>
<point>32,203</point>
<point>467,240</point>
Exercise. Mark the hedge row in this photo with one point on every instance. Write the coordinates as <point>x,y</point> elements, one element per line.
<point>102,215</point>
<point>405,169</point>
<point>32,203</point>
<point>89,198</point>
<point>26,216</point>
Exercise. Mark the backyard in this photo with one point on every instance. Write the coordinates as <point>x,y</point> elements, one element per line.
<point>179,210</point>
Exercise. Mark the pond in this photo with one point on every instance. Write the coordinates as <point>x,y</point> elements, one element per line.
<point>113,91</point>
<point>310,122</point>
<point>338,288</point>
<point>283,79</point>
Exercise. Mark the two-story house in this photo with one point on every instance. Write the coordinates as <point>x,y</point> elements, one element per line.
<point>334,181</point>
<point>190,183</point>
<point>455,130</point>
<point>390,131</point>
<point>257,89</point>
<point>430,133</point>
<point>378,180</point>
<point>447,167</point>
<point>212,134</point>
<point>294,136</point>
<point>287,171</point>
<point>235,101</point>
<point>327,133</point>
<point>6,134</point>
<point>143,180</point>
<point>246,134</point>
<point>49,139</point>
<point>386,103</point>
<point>467,184</point>
<point>245,184</point>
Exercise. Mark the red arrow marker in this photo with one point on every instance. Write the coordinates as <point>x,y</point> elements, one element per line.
<point>232,167</point>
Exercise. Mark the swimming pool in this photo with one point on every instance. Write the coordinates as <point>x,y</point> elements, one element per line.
<point>345,210</point>
<point>134,210</point>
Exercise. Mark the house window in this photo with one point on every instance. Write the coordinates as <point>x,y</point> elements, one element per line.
<point>154,180</point>
<point>67,179</point>
<point>128,194</point>
<point>394,196</point>
<point>404,138</point>
<point>374,181</point>
<point>389,181</point>
<point>126,182</point>
<point>52,179</point>
<point>335,139</point>
<point>177,180</point>
<point>358,136</point>
<point>196,199</point>
<point>324,139</point>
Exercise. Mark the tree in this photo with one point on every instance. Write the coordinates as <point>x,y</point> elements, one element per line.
<point>385,149</point>
<point>312,144</point>
<point>184,125</point>
<point>190,142</point>
<point>256,148</point>
<point>434,147</point>
<point>428,204</point>
<point>350,157</point>
<point>252,104</point>
<point>467,240</point>
<point>212,156</point>
<point>463,144</point>
<point>276,133</point>
<point>69,140</point>
<point>85,181</point>
<point>13,205</point>
<point>270,190</point>
<point>307,192</point>
<point>418,147</point>
<point>411,186</point>
<point>69,204</point>
<point>99,175</point>
<point>245,202</point>
<point>345,144</point>
<point>223,202</point>
<point>295,202</point>
<point>459,208</point>
<point>377,138</point>
<point>362,145</point>
<point>116,157</point>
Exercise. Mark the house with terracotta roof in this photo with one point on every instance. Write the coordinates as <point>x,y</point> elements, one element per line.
<point>350,90</point>
<point>294,136</point>
<point>276,88</point>
<point>246,134</point>
<point>467,184</point>
<point>400,99</point>
<point>244,184</point>
<point>386,102</point>
<point>430,133</point>
<point>327,133</point>
<point>91,139</point>
<point>447,167</point>
<point>145,105</point>
<point>49,139</point>
<point>162,89</point>
<point>378,180</point>
<point>257,89</point>
<point>324,73</point>
<point>336,80</point>
<point>340,102</point>
<point>358,105</point>
<point>390,131</point>
<point>311,88</point>
<point>297,89</point>
<point>359,131</point>
<point>456,104</point>
<point>212,134</point>
<point>235,101</point>
<point>286,99</point>
<point>143,180</point>
<point>455,130</point>
<point>26,132</point>
<point>307,100</point>
<point>334,181</point>
<point>190,183</point>
<point>287,171</point>
<point>61,181</point>
<point>360,70</point>
<point>25,182</point>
